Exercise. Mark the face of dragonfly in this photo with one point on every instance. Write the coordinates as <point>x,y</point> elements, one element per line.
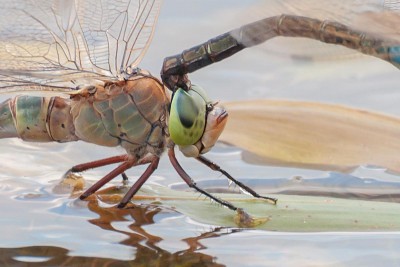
<point>195,123</point>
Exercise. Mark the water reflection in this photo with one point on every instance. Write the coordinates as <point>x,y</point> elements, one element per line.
<point>147,251</point>
<point>56,256</point>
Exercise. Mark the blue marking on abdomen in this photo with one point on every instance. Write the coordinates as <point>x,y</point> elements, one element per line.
<point>394,55</point>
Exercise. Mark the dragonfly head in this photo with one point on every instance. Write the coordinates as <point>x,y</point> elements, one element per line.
<point>195,122</point>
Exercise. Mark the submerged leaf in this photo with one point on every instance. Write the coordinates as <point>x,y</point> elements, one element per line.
<point>292,213</point>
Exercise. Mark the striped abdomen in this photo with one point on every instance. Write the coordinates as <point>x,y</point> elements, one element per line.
<point>38,119</point>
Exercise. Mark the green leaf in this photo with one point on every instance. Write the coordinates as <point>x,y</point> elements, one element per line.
<point>292,213</point>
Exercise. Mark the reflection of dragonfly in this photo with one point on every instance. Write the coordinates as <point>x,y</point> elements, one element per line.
<point>87,53</point>
<point>145,248</point>
<point>146,244</point>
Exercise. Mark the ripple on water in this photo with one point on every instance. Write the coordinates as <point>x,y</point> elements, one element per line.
<point>32,259</point>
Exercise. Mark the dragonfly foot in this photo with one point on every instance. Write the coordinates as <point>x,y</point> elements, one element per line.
<point>84,196</point>
<point>121,205</point>
<point>271,199</point>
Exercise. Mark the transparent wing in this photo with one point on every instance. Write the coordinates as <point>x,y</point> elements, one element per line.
<point>376,17</point>
<point>51,45</point>
<point>117,33</point>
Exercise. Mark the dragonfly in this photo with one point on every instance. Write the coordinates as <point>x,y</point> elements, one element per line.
<point>87,53</point>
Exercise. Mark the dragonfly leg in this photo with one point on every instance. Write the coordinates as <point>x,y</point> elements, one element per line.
<point>142,179</point>
<point>192,184</point>
<point>98,163</point>
<point>244,187</point>
<point>125,178</point>
<point>129,162</point>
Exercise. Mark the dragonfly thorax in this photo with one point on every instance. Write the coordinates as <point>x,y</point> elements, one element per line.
<point>128,113</point>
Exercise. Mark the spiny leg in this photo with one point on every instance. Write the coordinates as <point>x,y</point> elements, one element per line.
<point>189,181</point>
<point>120,169</point>
<point>215,167</point>
<point>143,178</point>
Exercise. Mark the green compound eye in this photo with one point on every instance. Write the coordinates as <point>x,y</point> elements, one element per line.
<point>187,118</point>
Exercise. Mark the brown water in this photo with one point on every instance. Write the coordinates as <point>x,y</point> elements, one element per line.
<point>41,227</point>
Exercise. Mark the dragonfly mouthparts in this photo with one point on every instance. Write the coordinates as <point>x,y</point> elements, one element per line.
<point>223,116</point>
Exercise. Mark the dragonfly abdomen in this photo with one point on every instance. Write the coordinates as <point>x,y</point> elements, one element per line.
<point>38,119</point>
